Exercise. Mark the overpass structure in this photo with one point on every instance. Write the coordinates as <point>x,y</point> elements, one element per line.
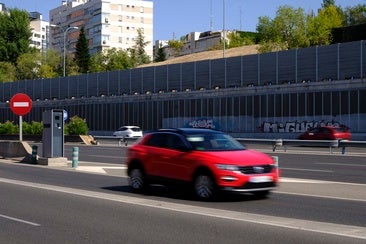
<point>282,93</point>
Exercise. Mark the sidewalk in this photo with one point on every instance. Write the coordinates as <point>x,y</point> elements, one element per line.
<point>81,166</point>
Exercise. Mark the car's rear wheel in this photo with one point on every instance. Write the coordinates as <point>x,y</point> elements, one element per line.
<point>204,187</point>
<point>137,180</point>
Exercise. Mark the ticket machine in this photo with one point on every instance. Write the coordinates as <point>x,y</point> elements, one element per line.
<point>53,133</point>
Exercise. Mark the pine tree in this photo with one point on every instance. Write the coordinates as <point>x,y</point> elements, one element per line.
<point>82,56</point>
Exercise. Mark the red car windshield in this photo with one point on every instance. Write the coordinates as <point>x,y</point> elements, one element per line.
<point>213,142</point>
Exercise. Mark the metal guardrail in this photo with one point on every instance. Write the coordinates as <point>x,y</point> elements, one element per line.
<point>115,139</point>
<point>331,144</point>
<point>274,143</point>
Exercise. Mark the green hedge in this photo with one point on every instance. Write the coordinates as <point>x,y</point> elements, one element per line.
<point>75,126</point>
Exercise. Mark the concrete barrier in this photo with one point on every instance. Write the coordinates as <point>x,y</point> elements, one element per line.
<point>19,150</point>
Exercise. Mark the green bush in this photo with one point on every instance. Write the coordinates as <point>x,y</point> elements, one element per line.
<point>33,128</point>
<point>8,128</point>
<point>76,126</point>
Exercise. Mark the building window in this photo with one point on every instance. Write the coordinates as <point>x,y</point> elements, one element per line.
<point>141,9</point>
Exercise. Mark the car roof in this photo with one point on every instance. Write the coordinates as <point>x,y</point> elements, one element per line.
<point>187,131</point>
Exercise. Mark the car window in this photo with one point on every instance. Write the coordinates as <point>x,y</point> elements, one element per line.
<point>157,140</point>
<point>166,140</point>
<point>173,141</point>
<point>214,142</point>
<point>136,129</point>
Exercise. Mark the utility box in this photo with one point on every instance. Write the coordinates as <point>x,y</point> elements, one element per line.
<point>53,133</point>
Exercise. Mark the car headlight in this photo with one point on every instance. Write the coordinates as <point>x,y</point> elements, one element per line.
<point>227,167</point>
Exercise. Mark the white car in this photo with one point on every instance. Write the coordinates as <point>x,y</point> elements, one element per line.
<point>128,131</point>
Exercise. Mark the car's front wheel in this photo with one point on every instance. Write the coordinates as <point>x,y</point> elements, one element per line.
<point>204,187</point>
<point>137,180</point>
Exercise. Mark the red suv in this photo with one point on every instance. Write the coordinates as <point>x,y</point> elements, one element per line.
<point>327,133</point>
<point>207,160</point>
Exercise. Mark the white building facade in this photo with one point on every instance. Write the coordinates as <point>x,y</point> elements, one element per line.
<point>40,31</point>
<point>107,24</point>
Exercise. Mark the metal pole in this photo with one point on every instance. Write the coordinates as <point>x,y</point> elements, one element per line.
<point>223,26</point>
<point>20,128</point>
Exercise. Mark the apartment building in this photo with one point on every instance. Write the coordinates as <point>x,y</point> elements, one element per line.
<point>40,31</point>
<point>107,24</point>
<point>39,28</point>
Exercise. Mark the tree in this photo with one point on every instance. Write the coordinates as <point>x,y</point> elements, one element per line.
<point>15,35</point>
<point>7,72</point>
<point>355,15</point>
<point>238,39</point>
<point>82,56</point>
<point>119,60</point>
<point>176,46</point>
<point>160,56</point>
<point>28,66</point>
<point>327,3</point>
<point>287,30</point>
<point>50,64</point>
<point>320,27</point>
<point>138,51</point>
<point>111,59</point>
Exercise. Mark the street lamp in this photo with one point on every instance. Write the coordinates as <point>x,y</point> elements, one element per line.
<point>65,32</point>
<point>223,26</point>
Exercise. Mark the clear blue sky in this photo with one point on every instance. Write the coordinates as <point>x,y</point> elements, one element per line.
<point>173,18</point>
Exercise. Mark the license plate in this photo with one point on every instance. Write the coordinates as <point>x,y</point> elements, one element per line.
<point>260,179</point>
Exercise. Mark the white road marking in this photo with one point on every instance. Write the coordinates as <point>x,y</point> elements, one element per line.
<point>97,169</point>
<point>351,165</point>
<point>298,224</point>
<point>19,220</point>
<point>311,170</point>
<point>285,179</point>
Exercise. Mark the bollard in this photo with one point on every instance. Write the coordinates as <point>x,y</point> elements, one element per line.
<point>75,157</point>
<point>343,150</point>
<point>276,163</point>
<point>34,154</point>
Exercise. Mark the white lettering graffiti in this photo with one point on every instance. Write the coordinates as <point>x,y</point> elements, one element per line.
<point>202,123</point>
<point>289,127</point>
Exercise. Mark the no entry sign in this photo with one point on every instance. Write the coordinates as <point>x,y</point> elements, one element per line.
<point>20,104</point>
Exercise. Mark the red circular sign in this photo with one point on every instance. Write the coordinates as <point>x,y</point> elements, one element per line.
<point>20,104</point>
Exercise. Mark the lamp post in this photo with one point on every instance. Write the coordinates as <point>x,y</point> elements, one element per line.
<point>223,26</point>
<point>65,32</point>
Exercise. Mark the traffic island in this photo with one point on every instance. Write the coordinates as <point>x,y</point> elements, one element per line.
<point>58,161</point>
<point>17,150</point>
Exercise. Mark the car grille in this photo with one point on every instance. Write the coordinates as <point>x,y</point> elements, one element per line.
<point>258,185</point>
<point>257,169</point>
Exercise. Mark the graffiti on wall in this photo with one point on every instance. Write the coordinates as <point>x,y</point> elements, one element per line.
<point>203,123</point>
<point>296,126</point>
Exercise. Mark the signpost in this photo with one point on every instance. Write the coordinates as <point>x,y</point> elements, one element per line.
<point>20,104</point>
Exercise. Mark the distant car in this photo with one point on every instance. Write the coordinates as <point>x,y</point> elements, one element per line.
<point>128,132</point>
<point>327,133</point>
<point>207,160</point>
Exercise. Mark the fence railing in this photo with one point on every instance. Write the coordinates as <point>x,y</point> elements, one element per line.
<point>274,143</point>
<point>330,144</point>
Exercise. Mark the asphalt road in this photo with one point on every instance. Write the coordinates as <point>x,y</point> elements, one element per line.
<point>321,199</point>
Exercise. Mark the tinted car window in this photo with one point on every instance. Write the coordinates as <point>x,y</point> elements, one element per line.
<point>157,140</point>
<point>166,140</point>
<point>136,129</point>
<point>213,142</point>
